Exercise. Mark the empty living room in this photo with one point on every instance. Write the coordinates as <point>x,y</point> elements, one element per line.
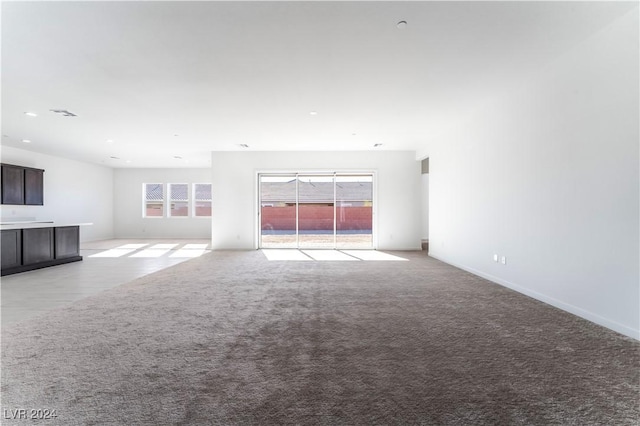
<point>320,213</point>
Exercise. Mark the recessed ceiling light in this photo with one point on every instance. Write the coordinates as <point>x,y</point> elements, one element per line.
<point>26,141</point>
<point>313,113</point>
<point>109,141</point>
<point>401,25</point>
<point>31,114</point>
<point>177,157</point>
<point>127,161</point>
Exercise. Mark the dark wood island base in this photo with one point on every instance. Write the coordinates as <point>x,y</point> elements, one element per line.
<point>30,248</point>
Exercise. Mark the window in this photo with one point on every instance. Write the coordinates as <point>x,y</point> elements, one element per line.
<point>153,199</point>
<point>179,199</point>
<point>202,199</point>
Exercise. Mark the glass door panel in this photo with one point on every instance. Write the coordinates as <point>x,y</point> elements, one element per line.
<point>278,211</point>
<point>354,211</point>
<point>316,208</point>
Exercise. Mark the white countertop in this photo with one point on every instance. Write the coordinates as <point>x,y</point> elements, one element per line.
<point>4,226</point>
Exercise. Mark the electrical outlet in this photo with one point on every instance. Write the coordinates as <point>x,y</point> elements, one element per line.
<point>495,257</point>
<point>504,260</point>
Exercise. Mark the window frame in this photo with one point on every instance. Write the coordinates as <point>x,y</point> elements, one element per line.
<point>169,200</point>
<point>145,200</point>
<point>195,200</point>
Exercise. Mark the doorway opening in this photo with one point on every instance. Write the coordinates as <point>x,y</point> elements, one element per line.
<point>316,210</point>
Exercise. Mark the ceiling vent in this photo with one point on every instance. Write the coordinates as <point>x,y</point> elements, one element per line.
<point>63,112</point>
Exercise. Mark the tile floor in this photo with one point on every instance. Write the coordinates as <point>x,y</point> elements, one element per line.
<point>105,264</point>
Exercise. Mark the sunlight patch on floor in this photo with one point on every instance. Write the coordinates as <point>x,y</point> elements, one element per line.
<point>132,246</point>
<point>142,250</point>
<point>195,246</point>
<point>373,255</point>
<point>329,255</point>
<point>151,252</point>
<point>187,252</point>
<point>163,246</point>
<point>285,254</point>
<point>324,255</point>
<point>117,252</point>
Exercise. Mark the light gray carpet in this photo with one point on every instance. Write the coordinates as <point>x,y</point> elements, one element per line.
<point>230,338</point>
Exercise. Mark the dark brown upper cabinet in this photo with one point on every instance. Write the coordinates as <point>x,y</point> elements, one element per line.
<point>22,185</point>
<point>12,184</point>
<point>34,187</point>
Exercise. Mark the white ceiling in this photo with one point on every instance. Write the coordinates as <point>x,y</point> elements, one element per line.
<point>167,79</point>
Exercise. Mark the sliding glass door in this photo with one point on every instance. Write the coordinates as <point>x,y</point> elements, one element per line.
<point>354,211</point>
<point>316,211</point>
<point>332,210</point>
<point>278,211</point>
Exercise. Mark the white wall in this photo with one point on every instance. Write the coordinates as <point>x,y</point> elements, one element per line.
<point>74,192</point>
<point>549,177</point>
<point>128,220</point>
<point>234,224</point>
<point>424,199</point>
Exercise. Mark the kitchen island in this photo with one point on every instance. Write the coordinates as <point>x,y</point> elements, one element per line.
<point>30,245</point>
